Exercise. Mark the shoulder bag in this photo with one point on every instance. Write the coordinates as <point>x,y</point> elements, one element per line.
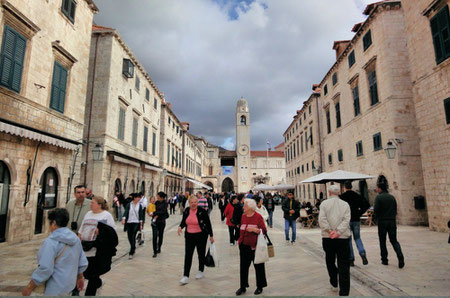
<point>41,288</point>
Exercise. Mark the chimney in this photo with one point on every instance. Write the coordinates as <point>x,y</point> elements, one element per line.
<point>339,46</point>
<point>169,105</point>
<point>185,126</point>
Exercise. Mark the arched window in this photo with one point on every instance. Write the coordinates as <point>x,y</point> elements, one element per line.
<point>47,196</point>
<point>243,120</point>
<point>143,188</point>
<point>117,186</point>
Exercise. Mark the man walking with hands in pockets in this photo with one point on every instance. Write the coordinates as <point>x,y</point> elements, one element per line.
<point>334,219</point>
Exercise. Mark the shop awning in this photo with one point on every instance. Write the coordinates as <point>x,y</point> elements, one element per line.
<point>36,136</point>
<point>199,183</point>
<point>152,168</point>
<point>125,161</point>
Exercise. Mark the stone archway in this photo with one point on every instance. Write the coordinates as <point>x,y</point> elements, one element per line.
<point>227,185</point>
<point>210,184</point>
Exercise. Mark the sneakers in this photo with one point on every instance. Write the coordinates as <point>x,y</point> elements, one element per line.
<point>293,243</point>
<point>231,244</point>
<point>130,257</point>
<point>199,275</point>
<point>334,289</point>
<point>288,242</point>
<point>364,259</point>
<point>184,280</point>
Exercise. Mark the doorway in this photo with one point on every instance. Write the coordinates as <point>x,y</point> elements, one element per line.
<point>227,185</point>
<point>5,181</point>
<point>47,195</point>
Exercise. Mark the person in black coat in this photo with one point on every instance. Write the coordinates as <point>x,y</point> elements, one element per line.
<point>223,202</point>
<point>159,222</point>
<point>133,220</point>
<point>198,227</point>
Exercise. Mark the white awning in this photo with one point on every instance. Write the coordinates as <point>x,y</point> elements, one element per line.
<point>152,168</point>
<point>199,183</point>
<point>32,135</point>
<point>126,161</point>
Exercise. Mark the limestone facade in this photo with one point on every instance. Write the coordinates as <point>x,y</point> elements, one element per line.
<point>44,66</point>
<point>430,75</point>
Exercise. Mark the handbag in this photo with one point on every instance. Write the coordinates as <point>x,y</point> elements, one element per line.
<point>41,288</point>
<point>270,248</point>
<point>261,251</point>
<point>209,260</point>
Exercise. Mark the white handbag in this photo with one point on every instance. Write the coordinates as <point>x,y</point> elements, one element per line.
<point>261,252</point>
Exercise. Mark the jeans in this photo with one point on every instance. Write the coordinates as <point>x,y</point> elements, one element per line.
<point>338,248</point>
<point>290,223</point>
<point>198,240</point>
<point>158,235</point>
<point>388,227</point>
<point>270,220</point>
<point>247,256</point>
<point>355,228</point>
<point>132,230</point>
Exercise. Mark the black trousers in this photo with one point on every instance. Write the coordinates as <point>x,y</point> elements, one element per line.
<point>198,240</point>
<point>388,227</point>
<point>338,248</point>
<point>247,256</point>
<point>234,234</point>
<point>132,230</point>
<point>158,235</point>
<point>94,280</point>
<point>222,214</point>
<point>172,208</point>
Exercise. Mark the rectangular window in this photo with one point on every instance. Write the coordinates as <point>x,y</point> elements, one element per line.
<point>325,89</point>
<point>301,143</point>
<point>312,165</point>
<point>121,134</point>
<point>310,136</point>
<point>359,148</point>
<point>169,120</point>
<point>155,103</point>
<point>337,107</point>
<point>309,110</point>
<point>356,107</point>
<point>135,132</point>
<point>367,40</point>
<point>340,155</point>
<point>144,146</point>
<point>154,144</point>
<point>128,68</point>
<point>377,145</point>
<point>168,154</point>
<point>180,160</point>
<point>58,92</point>
<point>304,116</point>
<point>147,94</point>
<point>330,159</point>
<point>335,78</point>
<point>440,30</point>
<point>307,167</point>
<point>447,110</point>
<point>178,129</point>
<point>303,168</point>
<point>328,121</point>
<point>137,83</point>
<point>68,8</point>
<point>306,141</point>
<point>373,91</point>
<point>351,59</point>
<point>298,147</point>
<point>12,59</point>
<point>295,152</point>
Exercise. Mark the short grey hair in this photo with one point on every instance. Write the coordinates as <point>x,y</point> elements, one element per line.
<point>250,203</point>
<point>334,189</point>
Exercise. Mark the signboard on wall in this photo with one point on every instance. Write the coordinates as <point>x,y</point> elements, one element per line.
<point>227,170</point>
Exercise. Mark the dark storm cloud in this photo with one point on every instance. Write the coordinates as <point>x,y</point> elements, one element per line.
<point>204,58</point>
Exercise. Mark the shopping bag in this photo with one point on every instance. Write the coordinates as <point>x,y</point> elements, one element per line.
<point>270,248</point>
<point>213,253</point>
<point>261,252</point>
<point>209,260</point>
<point>139,238</point>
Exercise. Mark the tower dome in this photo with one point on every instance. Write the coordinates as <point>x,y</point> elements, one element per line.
<point>242,103</point>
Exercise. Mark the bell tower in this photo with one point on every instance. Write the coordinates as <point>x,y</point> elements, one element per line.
<point>243,145</point>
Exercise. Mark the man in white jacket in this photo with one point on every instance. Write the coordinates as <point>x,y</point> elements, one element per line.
<point>334,219</point>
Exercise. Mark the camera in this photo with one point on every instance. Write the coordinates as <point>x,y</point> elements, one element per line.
<point>74,225</point>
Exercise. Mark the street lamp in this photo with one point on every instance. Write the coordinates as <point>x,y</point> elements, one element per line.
<point>97,152</point>
<point>391,149</point>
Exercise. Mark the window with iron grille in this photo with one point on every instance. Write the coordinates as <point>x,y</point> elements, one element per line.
<point>367,40</point>
<point>351,59</point>
<point>440,30</point>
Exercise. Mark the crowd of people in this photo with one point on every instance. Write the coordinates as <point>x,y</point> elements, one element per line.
<point>84,237</point>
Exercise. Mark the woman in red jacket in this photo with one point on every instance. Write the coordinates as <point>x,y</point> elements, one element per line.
<point>232,229</point>
<point>252,224</point>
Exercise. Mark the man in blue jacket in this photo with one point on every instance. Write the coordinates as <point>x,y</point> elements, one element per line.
<point>61,259</point>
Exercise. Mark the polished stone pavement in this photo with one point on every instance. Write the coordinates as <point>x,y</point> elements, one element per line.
<point>295,270</point>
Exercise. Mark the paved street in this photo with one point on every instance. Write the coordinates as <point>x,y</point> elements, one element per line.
<point>295,270</point>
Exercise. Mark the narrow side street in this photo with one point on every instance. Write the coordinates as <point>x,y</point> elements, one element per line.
<point>295,270</point>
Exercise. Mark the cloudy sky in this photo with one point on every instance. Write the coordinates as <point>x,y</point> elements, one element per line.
<point>206,54</point>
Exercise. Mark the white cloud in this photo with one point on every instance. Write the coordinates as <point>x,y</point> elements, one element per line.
<point>204,61</point>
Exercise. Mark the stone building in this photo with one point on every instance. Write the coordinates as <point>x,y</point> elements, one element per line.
<point>303,147</point>
<point>427,33</point>
<point>123,110</point>
<point>44,70</point>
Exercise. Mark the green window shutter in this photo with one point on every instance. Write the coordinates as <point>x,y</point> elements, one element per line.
<point>12,59</point>
<point>367,40</point>
<point>58,91</point>
<point>145,138</point>
<point>121,134</point>
<point>135,132</point>
<point>147,94</point>
<point>154,144</point>
<point>373,90</point>
<point>168,154</point>
<point>440,30</point>
<point>337,107</point>
<point>356,106</point>
<point>351,59</point>
<point>68,8</point>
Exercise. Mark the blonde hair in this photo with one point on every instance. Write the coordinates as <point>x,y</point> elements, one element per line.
<point>102,202</point>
